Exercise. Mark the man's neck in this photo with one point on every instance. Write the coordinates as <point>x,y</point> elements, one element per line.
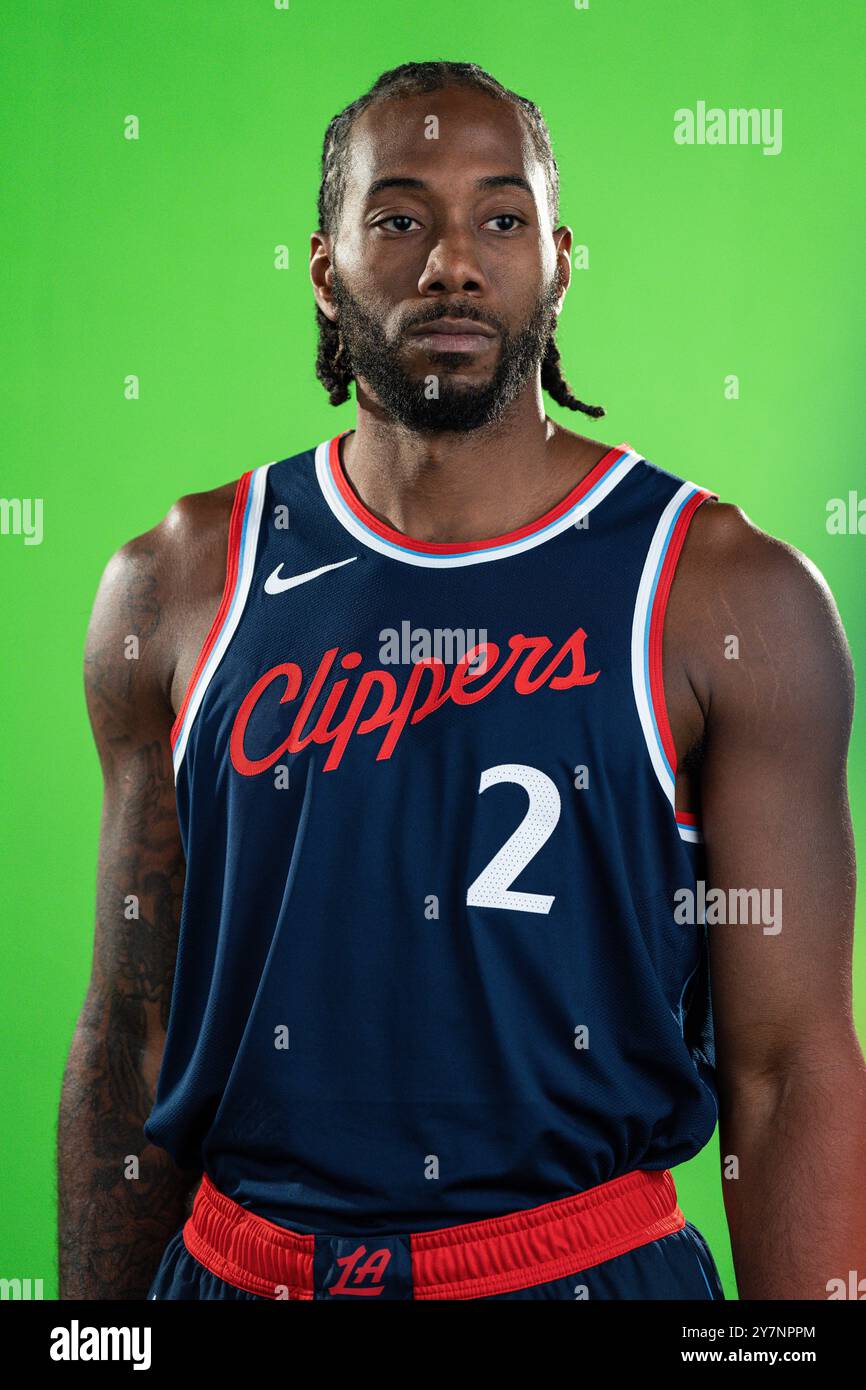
<point>465,486</point>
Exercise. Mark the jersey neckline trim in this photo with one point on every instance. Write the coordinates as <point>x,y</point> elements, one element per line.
<point>350,511</point>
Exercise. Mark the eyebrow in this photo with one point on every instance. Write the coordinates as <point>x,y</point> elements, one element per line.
<point>490,181</point>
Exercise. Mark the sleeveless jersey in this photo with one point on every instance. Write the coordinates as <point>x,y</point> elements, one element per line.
<point>430,968</point>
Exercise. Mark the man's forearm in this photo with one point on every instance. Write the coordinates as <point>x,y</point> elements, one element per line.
<point>120,1199</point>
<point>797,1209</point>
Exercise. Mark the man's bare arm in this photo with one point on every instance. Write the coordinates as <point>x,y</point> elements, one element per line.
<point>120,1198</point>
<point>791,1074</point>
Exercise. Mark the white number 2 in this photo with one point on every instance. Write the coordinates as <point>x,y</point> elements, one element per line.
<point>491,887</point>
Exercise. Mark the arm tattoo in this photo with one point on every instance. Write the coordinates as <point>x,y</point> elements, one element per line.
<point>114,1221</point>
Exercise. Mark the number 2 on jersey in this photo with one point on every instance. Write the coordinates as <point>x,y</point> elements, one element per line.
<point>492,887</point>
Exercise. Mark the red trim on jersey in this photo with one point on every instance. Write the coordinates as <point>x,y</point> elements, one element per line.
<point>356,506</point>
<point>477,1260</point>
<point>657,618</point>
<point>232,559</point>
<point>686,818</point>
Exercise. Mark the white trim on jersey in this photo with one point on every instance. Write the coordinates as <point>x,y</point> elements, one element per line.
<point>246,564</point>
<point>356,527</point>
<point>690,833</point>
<point>640,636</point>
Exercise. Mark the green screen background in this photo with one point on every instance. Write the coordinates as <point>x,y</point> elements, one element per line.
<point>156,257</point>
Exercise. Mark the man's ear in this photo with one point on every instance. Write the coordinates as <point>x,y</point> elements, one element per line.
<point>562,240</point>
<point>322,274</point>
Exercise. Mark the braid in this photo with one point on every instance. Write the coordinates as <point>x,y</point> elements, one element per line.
<point>555,384</point>
<point>333,367</point>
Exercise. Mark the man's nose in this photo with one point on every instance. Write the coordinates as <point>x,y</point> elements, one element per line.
<point>453,265</point>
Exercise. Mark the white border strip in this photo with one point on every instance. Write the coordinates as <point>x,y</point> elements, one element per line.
<point>640,650</point>
<point>246,565</point>
<point>362,533</point>
<point>690,833</point>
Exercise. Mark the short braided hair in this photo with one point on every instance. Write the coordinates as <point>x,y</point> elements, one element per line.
<point>333,367</point>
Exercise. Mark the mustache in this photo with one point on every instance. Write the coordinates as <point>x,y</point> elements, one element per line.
<point>355,313</point>
<point>453,311</point>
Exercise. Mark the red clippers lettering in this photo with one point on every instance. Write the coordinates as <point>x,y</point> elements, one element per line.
<point>377,703</point>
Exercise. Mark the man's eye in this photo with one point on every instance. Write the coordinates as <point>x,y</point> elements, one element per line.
<point>507,217</point>
<point>398,217</point>
<point>402,222</point>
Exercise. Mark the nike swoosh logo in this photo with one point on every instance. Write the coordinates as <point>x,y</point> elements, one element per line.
<point>275,585</point>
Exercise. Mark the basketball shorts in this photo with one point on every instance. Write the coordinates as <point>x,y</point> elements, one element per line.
<point>626,1239</point>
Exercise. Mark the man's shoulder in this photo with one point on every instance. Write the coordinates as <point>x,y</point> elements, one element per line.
<point>184,554</point>
<point>190,534</point>
<point>725,548</point>
<point>156,580</point>
<point>736,581</point>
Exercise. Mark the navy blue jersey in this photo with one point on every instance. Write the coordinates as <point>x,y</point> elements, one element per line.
<point>429,969</point>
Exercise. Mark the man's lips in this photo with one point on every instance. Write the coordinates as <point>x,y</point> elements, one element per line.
<point>454,335</point>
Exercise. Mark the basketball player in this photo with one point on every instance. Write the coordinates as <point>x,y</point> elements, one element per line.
<point>440,736</point>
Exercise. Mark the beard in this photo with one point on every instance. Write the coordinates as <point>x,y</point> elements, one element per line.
<point>456,406</point>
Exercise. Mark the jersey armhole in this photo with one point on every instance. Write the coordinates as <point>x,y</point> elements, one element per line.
<point>647,641</point>
<point>240,555</point>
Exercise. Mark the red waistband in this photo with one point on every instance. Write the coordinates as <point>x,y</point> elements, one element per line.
<point>477,1260</point>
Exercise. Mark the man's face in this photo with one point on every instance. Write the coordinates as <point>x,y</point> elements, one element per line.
<point>439,243</point>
